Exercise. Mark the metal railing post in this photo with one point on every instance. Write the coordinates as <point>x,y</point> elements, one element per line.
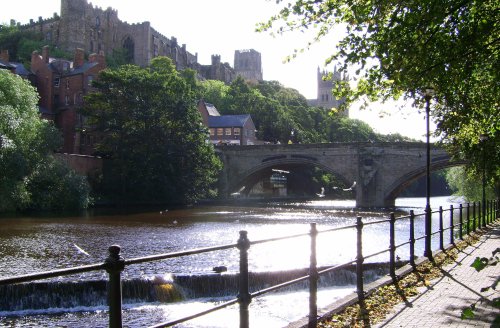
<point>474,216</point>
<point>428,233</point>
<point>244,297</point>
<point>441,243</point>
<point>313,280</point>
<point>452,238</point>
<point>392,246</point>
<point>483,214</point>
<point>460,222</point>
<point>468,219</point>
<point>490,210</point>
<point>412,238</point>
<point>114,265</point>
<point>359,259</point>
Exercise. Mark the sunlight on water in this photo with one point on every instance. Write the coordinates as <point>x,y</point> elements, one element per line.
<point>30,244</point>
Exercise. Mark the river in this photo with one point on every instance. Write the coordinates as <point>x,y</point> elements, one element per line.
<point>39,243</point>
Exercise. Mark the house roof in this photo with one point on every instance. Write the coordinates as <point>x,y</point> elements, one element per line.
<point>54,65</point>
<point>212,111</point>
<point>226,121</point>
<point>20,69</point>
<point>5,65</point>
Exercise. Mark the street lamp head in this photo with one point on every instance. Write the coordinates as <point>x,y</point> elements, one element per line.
<point>428,93</point>
<point>483,137</point>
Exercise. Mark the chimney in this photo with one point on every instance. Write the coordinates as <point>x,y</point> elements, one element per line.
<point>98,58</point>
<point>4,55</point>
<point>45,54</point>
<point>79,58</point>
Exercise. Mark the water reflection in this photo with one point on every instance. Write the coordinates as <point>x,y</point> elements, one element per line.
<point>30,244</point>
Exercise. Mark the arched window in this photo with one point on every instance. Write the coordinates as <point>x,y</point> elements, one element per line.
<point>128,45</point>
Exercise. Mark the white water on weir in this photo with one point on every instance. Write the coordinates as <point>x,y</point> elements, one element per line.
<point>29,244</point>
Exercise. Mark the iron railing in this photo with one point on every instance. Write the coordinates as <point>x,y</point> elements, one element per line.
<point>114,264</point>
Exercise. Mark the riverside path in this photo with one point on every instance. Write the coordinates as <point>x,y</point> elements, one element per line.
<point>441,303</point>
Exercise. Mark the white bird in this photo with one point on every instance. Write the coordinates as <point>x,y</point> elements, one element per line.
<point>322,193</point>
<point>238,193</point>
<point>81,250</point>
<point>351,187</point>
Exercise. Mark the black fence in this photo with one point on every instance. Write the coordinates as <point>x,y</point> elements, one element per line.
<point>470,218</point>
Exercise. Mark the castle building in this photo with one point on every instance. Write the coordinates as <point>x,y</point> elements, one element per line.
<point>325,83</point>
<point>95,30</point>
<point>248,64</point>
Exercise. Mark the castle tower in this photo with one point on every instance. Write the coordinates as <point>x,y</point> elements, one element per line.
<point>248,64</point>
<point>325,98</point>
<point>72,29</point>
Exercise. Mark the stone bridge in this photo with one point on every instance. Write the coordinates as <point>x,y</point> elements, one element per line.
<point>381,170</point>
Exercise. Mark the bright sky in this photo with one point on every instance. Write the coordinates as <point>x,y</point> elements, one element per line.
<point>223,26</point>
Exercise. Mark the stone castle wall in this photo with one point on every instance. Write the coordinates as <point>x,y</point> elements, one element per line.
<point>81,25</point>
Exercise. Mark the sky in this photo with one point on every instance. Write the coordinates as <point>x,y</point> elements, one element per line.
<point>223,26</point>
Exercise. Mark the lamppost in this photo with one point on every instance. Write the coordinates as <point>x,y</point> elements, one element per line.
<point>483,138</point>
<point>429,92</point>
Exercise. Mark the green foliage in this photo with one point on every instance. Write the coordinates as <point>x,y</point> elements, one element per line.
<point>278,111</point>
<point>467,183</point>
<point>21,44</point>
<point>400,48</point>
<point>117,58</point>
<point>55,186</point>
<point>152,134</point>
<point>25,153</point>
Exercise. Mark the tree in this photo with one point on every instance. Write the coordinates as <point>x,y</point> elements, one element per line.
<point>152,134</point>
<point>26,145</point>
<point>464,183</point>
<point>399,48</point>
<point>21,44</point>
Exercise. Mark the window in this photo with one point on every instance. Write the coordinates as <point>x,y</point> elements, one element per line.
<point>228,131</point>
<point>57,81</point>
<point>237,131</point>
<point>90,78</point>
<point>212,131</point>
<point>66,100</point>
<point>220,131</point>
<point>67,84</point>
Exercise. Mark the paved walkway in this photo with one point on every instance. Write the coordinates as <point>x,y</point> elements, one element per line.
<point>441,304</point>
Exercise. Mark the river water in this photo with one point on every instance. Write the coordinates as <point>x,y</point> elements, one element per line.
<point>30,244</point>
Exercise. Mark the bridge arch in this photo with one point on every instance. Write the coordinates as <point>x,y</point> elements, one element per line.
<point>252,176</point>
<point>405,180</point>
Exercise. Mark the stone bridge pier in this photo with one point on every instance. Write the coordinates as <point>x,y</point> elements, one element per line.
<point>381,170</point>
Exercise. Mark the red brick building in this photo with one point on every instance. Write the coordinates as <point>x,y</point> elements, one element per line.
<point>62,84</point>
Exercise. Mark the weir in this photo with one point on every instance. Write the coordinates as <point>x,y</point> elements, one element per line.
<point>164,289</point>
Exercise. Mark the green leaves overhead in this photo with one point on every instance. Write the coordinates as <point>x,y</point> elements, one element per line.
<point>397,48</point>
